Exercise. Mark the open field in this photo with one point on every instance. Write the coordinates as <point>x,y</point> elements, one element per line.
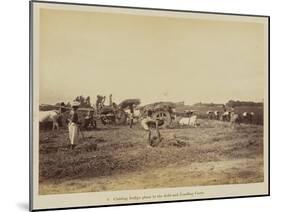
<point>118,158</point>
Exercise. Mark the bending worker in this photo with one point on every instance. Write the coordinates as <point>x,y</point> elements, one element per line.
<point>151,125</point>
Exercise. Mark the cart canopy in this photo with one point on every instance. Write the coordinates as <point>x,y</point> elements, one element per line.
<point>128,102</point>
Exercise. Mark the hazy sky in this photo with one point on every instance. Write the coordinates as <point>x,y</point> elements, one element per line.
<point>151,58</point>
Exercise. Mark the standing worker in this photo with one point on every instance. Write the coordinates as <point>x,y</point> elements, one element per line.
<point>110,100</point>
<point>131,115</point>
<point>98,102</point>
<point>73,125</point>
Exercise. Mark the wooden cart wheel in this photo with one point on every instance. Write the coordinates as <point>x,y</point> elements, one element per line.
<point>103,120</point>
<point>164,117</point>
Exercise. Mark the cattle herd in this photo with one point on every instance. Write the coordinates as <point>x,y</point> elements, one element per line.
<point>231,116</point>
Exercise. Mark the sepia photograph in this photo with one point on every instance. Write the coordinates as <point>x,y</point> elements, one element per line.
<point>135,99</point>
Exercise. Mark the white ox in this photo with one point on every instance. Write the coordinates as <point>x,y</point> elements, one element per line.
<point>188,121</point>
<point>248,117</point>
<point>226,116</point>
<point>49,116</point>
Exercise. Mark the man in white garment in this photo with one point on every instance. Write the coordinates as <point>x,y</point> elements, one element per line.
<point>73,125</point>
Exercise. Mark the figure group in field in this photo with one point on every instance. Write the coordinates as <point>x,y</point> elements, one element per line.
<point>82,115</point>
<point>231,115</point>
<point>83,101</point>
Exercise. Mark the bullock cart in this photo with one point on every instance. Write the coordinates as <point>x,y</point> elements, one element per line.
<point>163,112</point>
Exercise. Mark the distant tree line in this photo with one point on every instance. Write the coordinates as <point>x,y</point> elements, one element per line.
<point>200,104</point>
<point>232,103</point>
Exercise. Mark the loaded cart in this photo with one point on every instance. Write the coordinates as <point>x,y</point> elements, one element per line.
<point>163,112</point>
<point>116,114</point>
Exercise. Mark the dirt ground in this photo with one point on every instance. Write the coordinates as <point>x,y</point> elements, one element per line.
<point>119,158</point>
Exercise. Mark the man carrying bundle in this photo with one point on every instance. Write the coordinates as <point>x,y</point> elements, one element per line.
<point>131,115</point>
<point>151,125</point>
